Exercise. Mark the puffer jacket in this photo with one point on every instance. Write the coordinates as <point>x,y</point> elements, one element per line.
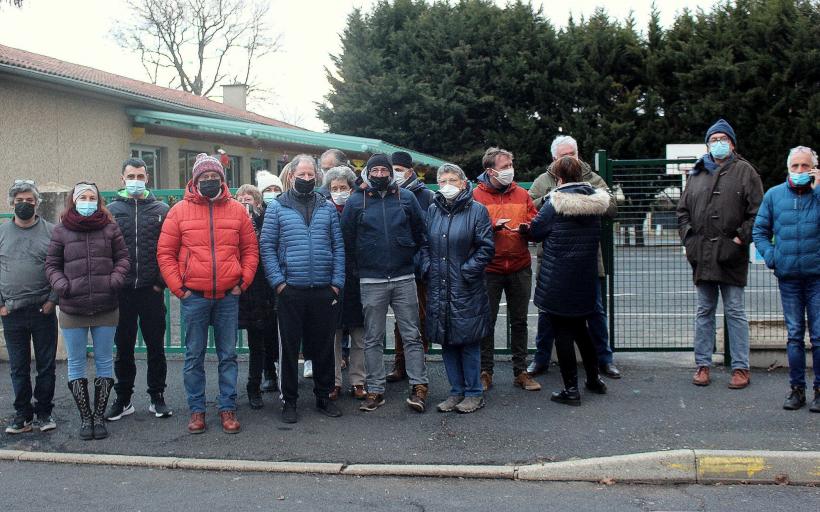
<point>383,234</point>
<point>569,223</point>
<point>512,202</point>
<point>714,209</point>
<point>298,253</point>
<point>207,246</point>
<point>140,221</point>
<point>460,248</point>
<point>787,231</point>
<point>87,268</point>
<point>425,198</point>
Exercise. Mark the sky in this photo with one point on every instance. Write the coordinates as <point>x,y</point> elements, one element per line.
<point>78,31</point>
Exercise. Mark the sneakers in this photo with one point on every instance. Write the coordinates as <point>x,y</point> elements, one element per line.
<point>418,395</point>
<point>740,379</point>
<point>525,381</point>
<point>19,425</point>
<point>47,423</point>
<point>568,396</point>
<point>308,369</point>
<point>119,409</point>
<point>795,399</point>
<point>158,407</point>
<point>289,413</point>
<point>196,425</point>
<point>372,402</point>
<point>450,404</point>
<point>486,380</point>
<point>470,404</point>
<point>357,391</point>
<point>535,368</point>
<point>328,408</point>
<point>701,377</point>
<point>230,425</point>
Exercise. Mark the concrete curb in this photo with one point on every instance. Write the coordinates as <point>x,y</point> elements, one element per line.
<point>674,466</point>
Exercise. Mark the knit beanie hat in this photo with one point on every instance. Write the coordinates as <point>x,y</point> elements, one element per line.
<point>402,158</point>
<point>205,163</point>
<point>265,179</point>
<point>378,160</point>
<point>721,126</point>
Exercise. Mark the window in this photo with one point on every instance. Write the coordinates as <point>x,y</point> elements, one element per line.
<point>232,171</point>
<point>186,166</point>
<point>259,164</point>
<point>152,164</point>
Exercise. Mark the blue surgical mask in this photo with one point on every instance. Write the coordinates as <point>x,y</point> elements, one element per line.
<point>267,197</point>
<point>135,188</point>
<point>86,208</point>
<point>800,179</point>
<point>720,149</point>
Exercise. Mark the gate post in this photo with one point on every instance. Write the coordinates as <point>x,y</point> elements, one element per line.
<point>603,167</point>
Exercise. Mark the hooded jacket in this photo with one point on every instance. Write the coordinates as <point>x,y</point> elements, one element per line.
<point>140,221</point>
<point>207,246</point>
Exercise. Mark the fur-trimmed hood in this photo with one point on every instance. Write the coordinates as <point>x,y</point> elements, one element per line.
<point>577,199</point>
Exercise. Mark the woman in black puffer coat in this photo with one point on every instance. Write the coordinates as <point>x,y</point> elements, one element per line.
<point>569,223</point>
<point>458,310</point>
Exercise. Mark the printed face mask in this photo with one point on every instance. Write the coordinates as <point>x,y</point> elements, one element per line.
<point>86,208</point>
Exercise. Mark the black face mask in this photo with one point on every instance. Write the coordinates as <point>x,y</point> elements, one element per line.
<point>24,211</point>
<point>304,186</point>
<point>379,182</point>
<point>210,188</point>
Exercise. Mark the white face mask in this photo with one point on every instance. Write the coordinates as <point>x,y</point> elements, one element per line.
<point>505,177</point>
<point>340,198</point>
<point>270,196</point>
<point>399,178</point>
<point>449,191</point>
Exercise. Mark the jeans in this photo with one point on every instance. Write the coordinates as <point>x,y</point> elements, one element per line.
<point>463,365</point>
<point>102,339</point>
<point>801,299</point>
<point>198,313</point>
<point>146,307</point>
<point>22,328</point>
<point>401,296</point>
<point>737,324</point>
<point>421,292</point>
<point>517,287</point>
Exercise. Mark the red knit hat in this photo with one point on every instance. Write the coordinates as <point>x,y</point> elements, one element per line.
<point>205,163</point>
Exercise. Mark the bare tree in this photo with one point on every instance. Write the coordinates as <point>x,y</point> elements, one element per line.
<point>195,45</point>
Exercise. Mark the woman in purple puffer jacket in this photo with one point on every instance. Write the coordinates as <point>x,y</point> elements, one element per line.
<point>87,263</point>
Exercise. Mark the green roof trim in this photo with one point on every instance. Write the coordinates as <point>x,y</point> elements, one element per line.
<point>276,134</point>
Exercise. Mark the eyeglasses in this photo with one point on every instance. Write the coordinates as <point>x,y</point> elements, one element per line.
<point>24,182</point>
<point>718,139</point>
<point>450,181</point>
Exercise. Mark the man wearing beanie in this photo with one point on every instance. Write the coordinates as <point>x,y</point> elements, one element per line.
<point>207,255</point>
<point>406,178</point>
<point>715,217</point>
<point>383,228</point>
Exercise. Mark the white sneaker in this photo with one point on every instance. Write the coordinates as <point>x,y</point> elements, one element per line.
<point>308,373</point>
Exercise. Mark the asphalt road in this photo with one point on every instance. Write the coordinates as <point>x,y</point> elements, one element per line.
<point>35,486</point>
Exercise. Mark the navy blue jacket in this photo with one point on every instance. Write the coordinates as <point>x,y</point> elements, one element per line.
<point>791,219</point>
<point>460,247</point>
<point>569,223</point>
<point>302,255</point>
<point>382,234</point>
<point>425,198</point>
<point>140,221</point>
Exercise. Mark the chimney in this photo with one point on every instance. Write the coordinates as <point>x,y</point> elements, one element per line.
<point>235,95</point>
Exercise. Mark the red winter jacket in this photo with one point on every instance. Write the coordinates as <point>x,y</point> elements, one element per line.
<point>514,203</point>
<point>207,247</point>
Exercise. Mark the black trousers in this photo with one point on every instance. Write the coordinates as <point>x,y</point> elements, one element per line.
<point>263,350</point>
<point>568,330</point>
<point>307,316</point>
<point>145,307</point>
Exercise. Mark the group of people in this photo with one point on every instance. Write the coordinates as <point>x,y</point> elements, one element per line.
<point>318,255</point>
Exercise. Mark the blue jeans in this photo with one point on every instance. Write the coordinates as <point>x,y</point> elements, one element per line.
<point>736,322</point>
<point>198,313</point>
<point>102,339</point>
<point>801,299</point>
<point>463,365</point>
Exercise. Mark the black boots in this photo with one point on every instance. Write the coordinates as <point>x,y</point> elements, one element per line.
<point>795,399</point>
<point>102,390</point>
<point>568,396</point>
<point>79,390</point>
<point>815,405</point>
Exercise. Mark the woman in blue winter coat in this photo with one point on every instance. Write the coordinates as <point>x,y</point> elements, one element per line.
<point>569,224</point>
<point>458,310</point>
<point>787,234</point>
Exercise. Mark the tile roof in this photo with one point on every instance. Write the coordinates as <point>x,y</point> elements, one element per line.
<point>24,60</point>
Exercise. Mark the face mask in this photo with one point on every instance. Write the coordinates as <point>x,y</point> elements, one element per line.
<point>304,186</point>
<point>379,182</point>
<point>800,179</point>
<point>270,196</point>
<point>449,191</point>
<point>24,211</point>
<point>505,177</point>
<point>720,149</point>
<point>340,198</point>
<point>135,188</point>
<point>399,178</point>
<point>210,188</point>
<point>86,208</point>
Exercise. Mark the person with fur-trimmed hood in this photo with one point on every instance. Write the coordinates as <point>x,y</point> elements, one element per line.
<point>569,224</point>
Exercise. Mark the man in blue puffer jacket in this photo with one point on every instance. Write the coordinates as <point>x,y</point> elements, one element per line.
<point>787,234</point>
<point>303,254</point>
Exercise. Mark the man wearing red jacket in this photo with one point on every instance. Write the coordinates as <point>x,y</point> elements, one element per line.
<point>511,211</point>
<point>207,254</point>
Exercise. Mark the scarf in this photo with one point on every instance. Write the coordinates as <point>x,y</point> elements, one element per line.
<point>94,222</point>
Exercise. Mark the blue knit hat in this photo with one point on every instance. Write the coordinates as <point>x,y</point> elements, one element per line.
<point>721,126</point>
